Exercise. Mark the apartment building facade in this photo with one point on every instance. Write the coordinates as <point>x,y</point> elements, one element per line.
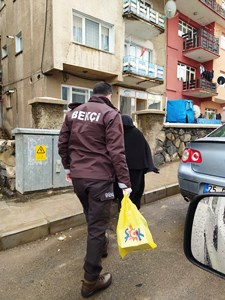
<point>195,55</point>
<point>60,51</point>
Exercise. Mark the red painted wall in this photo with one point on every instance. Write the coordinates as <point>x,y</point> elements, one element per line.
<point>174,55</point>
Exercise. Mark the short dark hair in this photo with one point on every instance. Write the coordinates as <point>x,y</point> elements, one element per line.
<point>103,88</point>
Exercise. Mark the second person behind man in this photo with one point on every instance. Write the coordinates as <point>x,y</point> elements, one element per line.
<point>139,161</point>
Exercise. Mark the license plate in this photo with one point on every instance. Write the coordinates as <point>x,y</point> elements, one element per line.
<point>210,188</point>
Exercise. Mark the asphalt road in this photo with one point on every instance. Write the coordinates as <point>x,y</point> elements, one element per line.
<point>51,269</point>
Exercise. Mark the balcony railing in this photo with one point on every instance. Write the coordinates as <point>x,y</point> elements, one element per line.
<point>215,6</point>
<point>138,8</point>
<point>140,67</point>
<point>203,39</point>
<point>201,84</point>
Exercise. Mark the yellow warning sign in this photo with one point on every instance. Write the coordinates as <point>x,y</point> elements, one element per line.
<point>40,152</point>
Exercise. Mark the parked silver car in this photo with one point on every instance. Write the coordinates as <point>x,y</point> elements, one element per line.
<point>202,166</point>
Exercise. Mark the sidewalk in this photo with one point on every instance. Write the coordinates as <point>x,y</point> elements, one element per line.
<point>23,222</point>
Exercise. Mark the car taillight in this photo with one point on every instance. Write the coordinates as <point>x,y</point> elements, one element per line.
<point>191,155</point>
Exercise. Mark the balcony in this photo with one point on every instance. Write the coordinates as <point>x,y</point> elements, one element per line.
<point>202,47</point>
<point>216,7</point>
<point>141,20</point>
<point>199,88</point>
<point>203,12</point>
<point>140,73</point>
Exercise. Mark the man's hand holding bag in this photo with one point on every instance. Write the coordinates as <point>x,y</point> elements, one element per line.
<point>133,233</point>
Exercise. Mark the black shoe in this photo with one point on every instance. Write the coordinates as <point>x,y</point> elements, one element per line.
<point>105,249</point>
<point>91,287</point>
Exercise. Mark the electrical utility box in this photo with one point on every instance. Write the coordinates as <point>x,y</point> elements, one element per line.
<point>38,165</point>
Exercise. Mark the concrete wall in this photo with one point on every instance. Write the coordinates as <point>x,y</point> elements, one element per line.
<point>47,113</point>
<point>65,51</point>
<point>48,51</point>
<point>150,122</point>
<point>22,72</point>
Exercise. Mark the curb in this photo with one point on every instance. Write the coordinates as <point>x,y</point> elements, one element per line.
<point>163,192</point>
<point>43,228</point>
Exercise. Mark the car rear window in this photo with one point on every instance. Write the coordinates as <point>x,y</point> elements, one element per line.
<point>219,132</point>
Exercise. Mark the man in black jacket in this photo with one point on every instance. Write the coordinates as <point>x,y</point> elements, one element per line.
<point>91,147</point>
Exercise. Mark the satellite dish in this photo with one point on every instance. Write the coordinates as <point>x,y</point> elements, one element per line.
<point>170,9</point>
<point>220,80</point>
<point>197,111</point>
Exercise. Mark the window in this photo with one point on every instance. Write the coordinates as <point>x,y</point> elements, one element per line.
<point>219,132</point>
<point>185,73</point>
<point>154,101</point>
<point>147,4</point>
<point>8,101</point>
<point>138,58</point>
<point>185,28</point>
<point>18,42</point>
<point>75,94</point>
<point>222,41</point>
<point>92,33</point>
<point>4,51</point>
<point>127,105</point>
<point>105,38</point>
<point>138,52</point>
<point>210,113</point>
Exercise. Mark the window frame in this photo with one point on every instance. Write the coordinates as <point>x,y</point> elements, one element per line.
<point>187,27</point>
<point>155,100</point>
<point>210,111</point>
<point>147,3</point>
<point>138,50</point>
<point>101,25</point>
<point>189,71</point>
<point>219,132</point>
<point>70,93</point>
<point>18,42</point>
<point>139,57</point>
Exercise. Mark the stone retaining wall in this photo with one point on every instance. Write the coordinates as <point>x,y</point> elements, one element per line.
<point>7,167</point>
<point>171,141</point>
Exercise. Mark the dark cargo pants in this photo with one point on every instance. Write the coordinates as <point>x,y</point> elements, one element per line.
<point>96,198</point>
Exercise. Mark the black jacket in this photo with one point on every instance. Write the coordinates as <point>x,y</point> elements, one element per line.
<point>138,152</point>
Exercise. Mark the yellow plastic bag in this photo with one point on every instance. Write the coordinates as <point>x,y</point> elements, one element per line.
<point>133,233</point>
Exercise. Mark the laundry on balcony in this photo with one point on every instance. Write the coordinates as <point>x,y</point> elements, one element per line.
<point>208,75</point>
